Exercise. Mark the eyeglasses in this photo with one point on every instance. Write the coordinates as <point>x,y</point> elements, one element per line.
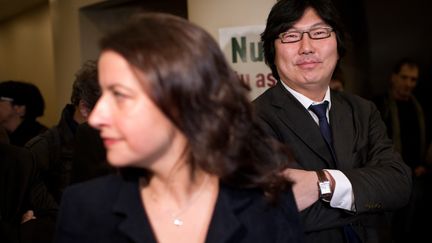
<point>2,98</point>
<point>315,34</point>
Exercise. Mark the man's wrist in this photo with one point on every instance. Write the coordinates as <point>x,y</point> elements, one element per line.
<point>324,186</point>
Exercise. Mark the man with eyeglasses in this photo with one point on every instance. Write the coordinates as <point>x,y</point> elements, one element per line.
<point>348,174</point>
<point>21,103</point>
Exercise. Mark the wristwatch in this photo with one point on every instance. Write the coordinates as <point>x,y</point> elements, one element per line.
<point>324,187</point>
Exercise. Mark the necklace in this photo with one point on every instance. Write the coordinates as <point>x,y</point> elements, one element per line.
<point>176,217</point>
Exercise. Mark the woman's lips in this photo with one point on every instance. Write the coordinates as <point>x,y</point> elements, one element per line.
<point>108,142</point>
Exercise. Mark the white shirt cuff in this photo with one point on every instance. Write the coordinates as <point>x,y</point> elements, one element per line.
<point>343,196</point>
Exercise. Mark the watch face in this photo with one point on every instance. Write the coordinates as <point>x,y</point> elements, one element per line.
<point>325,187</point>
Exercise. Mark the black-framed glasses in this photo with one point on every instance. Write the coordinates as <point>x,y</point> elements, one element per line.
<point>314,33</point>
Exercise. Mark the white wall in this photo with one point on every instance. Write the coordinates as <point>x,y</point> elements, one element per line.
<point>26,54</point>
<point>215,14</point>
<point>42,45</point>
<point>66,45</point>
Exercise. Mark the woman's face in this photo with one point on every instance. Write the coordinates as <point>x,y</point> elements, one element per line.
<point>134,130</point>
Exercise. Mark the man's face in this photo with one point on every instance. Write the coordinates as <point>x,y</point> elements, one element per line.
<point>307,65</point>
<point>404,82</point>
<point>9,115</point>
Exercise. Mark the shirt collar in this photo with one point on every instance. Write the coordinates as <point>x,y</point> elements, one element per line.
<point>305,101</point>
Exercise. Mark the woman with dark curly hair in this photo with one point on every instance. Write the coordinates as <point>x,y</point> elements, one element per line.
<point>194,166</point>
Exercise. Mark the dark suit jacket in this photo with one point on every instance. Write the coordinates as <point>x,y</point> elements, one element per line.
<point>20,190</point>
<point>414,152</point>
<point>16,172</point>
<point>109,209</point>
<point>89,157</point>
<point>379,178</point>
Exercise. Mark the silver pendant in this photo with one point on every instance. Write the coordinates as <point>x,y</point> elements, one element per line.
<point>178,222</point>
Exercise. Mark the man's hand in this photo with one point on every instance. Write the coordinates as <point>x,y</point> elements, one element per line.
<point>29,215</point>
<point>305,186</point>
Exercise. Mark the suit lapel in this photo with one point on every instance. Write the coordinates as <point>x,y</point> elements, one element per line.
<point>134,223</point>
<point>225,223</point>
<point>341,121</point>
<point>299,121</point>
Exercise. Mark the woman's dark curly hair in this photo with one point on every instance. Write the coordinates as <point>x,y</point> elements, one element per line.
<point>189,79</point>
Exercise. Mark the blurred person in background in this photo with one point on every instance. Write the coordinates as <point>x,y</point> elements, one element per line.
<point>407,126</point>
<point>54,149</point>
<point>20,190</point>
<point>20,104</point>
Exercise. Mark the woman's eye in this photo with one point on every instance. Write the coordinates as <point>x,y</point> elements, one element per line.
<point>118,95</point>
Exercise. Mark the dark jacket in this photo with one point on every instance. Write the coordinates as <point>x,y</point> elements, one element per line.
<point>27,130</point>
<point>110,209</point>
<point>412,142</point>
<point>53,152</point>
<point>380,180</point>
<point>89,158</point>
<point>20,190</point>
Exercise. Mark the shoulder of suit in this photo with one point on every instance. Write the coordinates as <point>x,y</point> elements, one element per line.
<point>9,151</point>
<point>350,98</point>
<point>108,184</point>
<point>264,96</point>
<point>43,139</point>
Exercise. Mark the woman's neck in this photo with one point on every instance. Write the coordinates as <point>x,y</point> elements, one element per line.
<point>182,206</point>
<point>178,186</point>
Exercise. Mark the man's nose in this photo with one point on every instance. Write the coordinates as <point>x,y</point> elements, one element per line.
<point>306,46</point>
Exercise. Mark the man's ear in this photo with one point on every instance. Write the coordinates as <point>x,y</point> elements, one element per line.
<point>83,109</point>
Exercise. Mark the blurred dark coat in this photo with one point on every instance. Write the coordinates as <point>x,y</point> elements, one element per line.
<point>27,130</point>
<point>20,190</point>
<point>110,209</point>
<point>89,158</point>
<point>53,151</point>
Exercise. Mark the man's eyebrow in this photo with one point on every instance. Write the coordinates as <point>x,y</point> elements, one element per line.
<point>319,24</point>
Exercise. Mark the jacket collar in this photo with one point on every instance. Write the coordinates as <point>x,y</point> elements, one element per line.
<point>128,207</point>
<point>300,122</point>
<point>224,224</point>
<point>343,122</point>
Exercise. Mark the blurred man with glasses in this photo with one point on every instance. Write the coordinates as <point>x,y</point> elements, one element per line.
<point>21,103</point>
<point>348,174</point>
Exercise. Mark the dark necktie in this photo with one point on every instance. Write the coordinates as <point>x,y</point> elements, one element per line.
<point>321,110</point>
